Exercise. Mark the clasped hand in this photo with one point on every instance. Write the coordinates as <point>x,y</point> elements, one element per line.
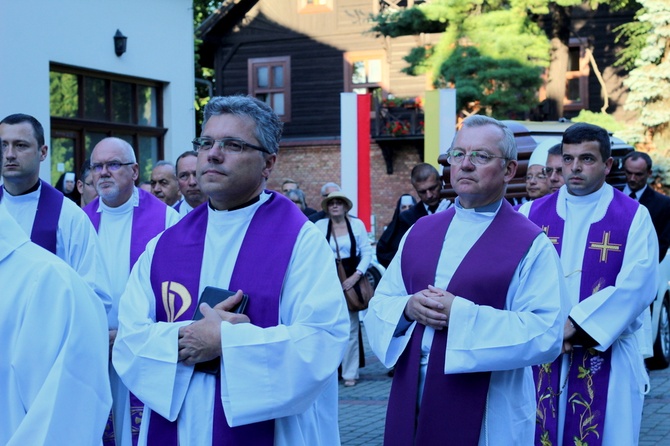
<point>201,340</point>
<point>430,307</point>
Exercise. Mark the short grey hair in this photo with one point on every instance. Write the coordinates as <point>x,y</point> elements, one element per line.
<point>507,144</point>
<point>329,185</point>
<point>164,163</point>
<point>268,125</point>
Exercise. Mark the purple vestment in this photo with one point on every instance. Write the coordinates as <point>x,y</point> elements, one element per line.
<point>588,377</point>
<point>452,405</point>
<point>45,225</point>
<point>176,265</point>
<point>148,221</point>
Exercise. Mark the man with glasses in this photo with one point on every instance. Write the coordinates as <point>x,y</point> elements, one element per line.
<point>188,183</point>
<point>609,254</point>
<point>472,300</point>
<point>537,183</point>
<point>85,185</point>
<point>265,377</point>
<point>554,168</point>
<point>126,218</point>
<point>428,186</point>
<point>57,225</point>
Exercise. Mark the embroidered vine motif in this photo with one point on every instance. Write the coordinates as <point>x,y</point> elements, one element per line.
<point>547,397</point>
<point>588,419</point>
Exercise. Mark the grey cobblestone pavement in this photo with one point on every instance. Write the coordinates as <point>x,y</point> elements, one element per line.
<point>363,407</point>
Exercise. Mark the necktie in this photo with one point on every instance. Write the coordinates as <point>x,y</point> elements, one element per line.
<point>433,208</point>
<point>633,196</point>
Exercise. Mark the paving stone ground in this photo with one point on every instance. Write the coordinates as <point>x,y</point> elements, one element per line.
<point>362,408</point>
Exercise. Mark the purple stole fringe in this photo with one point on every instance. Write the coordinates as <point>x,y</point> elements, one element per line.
<point>588,377</point>
<point>148,221</point>
<point>45,225</point>
<point>452,406</point>
<point>266,250</point>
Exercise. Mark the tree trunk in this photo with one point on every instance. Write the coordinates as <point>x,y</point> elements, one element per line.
<point>556,82</point>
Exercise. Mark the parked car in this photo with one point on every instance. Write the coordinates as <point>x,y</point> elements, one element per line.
<point>528,134</point>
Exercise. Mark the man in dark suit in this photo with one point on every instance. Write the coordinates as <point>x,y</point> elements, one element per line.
<point>637,166</point>
<point>428,185</point>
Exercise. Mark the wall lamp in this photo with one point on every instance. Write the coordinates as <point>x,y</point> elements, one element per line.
<point>119,43</point>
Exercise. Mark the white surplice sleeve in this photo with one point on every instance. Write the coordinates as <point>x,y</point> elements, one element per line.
<point>280,371</point>
<point>77,243</point>
<point>613,311</point>
<point>363,243</point>
<point>58,357</point>
<point>385,312</point>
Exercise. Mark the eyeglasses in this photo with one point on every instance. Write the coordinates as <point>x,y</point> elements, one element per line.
<point>537,177</point>
<point>548,171</point>
<point>112,166</point>
<point>228,145</point>
<point>476,157</point>
<point>336,203</point>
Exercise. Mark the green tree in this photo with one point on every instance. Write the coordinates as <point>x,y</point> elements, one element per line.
<point>202,9</point>
<point>649,81</point>
<point>503,30</point>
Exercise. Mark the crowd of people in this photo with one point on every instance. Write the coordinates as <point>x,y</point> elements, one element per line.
<point>208,310</point>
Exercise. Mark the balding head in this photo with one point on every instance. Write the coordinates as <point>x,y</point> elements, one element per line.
<point>115,170</point>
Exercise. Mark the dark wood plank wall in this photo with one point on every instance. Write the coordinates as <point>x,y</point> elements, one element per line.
<point>316,44</point>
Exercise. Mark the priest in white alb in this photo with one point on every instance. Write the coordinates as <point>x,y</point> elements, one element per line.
<point>54,387</point>
<point>126,218</point>
<point>594,393</point>
<point>472,300</point>
<point>267,376</point>
<point>51,221</point>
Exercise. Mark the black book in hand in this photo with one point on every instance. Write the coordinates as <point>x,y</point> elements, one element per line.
<point>213,296</point>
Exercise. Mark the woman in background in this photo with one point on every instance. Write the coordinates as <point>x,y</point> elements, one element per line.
<point>348,236</point>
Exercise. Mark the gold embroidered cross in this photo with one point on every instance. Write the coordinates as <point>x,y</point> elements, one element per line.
<point>553,240</point>
<point>604,246</point>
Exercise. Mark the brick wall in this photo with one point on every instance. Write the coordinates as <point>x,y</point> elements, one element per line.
<point>313,165</point>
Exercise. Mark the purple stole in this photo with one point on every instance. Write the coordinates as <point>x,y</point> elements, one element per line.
<point>452,406</point>
<point>148,222</point>
<point>175,279</point>
<point>588,377</point>
<point>45,225</point>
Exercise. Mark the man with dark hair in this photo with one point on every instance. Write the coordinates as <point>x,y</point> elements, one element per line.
<point>428,186</point>
<point>164,184</point>
<point>55,224</point>
<point>609,253</point>
<point>188,183</point>
<point>272,374</point>
<point>554,169</point>
<point>637,167</point>
<point>85,184</point>
<point>473,299</point>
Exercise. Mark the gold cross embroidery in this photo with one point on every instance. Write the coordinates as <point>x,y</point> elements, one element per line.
<point>604,246</point>
<point>553,240</point>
